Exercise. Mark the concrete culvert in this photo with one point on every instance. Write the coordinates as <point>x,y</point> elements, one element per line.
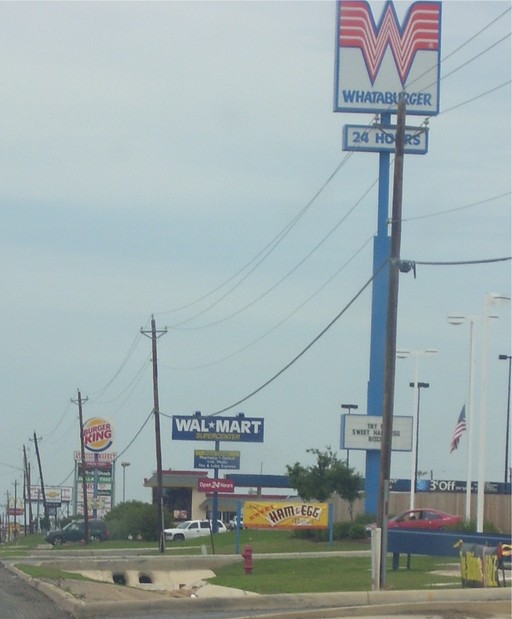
<point>144,579</point>
<point>119,579</point>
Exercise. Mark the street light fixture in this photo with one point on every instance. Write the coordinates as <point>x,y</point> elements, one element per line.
<point>404,354</point>
<point>418,386</point>
<point>507,426</point>
<point>349,407</point>
<point>124,465</point>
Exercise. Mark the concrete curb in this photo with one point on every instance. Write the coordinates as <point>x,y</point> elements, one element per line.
<point>305,606</point>
<point>317,605</point>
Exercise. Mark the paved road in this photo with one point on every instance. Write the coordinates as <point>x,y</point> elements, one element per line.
<point>18,600</point>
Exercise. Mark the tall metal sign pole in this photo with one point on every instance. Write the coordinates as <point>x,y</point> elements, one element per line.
<point>378,65</point>
<point>154,334</point>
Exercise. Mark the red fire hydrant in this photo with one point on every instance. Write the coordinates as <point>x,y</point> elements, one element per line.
<point>247,555</point>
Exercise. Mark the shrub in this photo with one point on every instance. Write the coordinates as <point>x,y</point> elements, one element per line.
<point>133,518</point>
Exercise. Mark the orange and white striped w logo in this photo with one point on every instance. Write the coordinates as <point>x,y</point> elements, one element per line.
<point>421,30</point>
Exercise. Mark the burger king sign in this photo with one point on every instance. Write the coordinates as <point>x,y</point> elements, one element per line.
<point>98,435</point>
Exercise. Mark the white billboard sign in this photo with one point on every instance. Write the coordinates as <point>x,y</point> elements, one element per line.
<point>379,139</point>
<point>365,432</point>
<point>379,62</point>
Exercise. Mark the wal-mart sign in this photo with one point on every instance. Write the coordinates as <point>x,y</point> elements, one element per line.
<point>199,428</point>
<point>378,63</point>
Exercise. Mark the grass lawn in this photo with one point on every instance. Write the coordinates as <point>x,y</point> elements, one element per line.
<point>262,541</point>
<point>283,575</point>
<point>331,574</point>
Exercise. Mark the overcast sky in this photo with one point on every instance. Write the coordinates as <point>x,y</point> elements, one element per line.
<point>151,152</point>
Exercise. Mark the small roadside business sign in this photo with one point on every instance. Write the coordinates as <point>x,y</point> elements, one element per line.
<point>382,138</point>
<point>206,484</point>
<point>365,432</point>
<point>285,515</point>
<point>210,459</point>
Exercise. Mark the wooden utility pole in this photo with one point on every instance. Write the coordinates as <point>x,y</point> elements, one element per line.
<point>43,494</point>
<point>28,494</point>
<point>154,334</point>
<point>15,509</point>
<point>391,331</point>
<point>80,401</point>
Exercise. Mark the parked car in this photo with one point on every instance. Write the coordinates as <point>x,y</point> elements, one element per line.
<point>232,524</point>
<point>430,519</point>
<point>75,532</point>
<point>190,529</point>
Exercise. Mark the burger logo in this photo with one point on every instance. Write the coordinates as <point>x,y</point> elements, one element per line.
<point>97,435</point>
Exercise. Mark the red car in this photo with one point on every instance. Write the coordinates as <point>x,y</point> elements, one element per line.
<point>431,519</point>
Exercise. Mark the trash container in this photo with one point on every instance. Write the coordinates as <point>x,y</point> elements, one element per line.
<point>478,565</point>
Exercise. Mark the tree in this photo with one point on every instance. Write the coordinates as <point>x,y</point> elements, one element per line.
<point>327,476</point>
<point>134,518</point>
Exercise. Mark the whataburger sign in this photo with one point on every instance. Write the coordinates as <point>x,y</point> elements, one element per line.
<point>377,63</point>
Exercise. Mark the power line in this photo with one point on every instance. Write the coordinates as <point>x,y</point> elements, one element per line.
<point>483,94</point>
<point>136,436</point>
<point>457,208</point>
<point>304,350</point>
<point>300,263</point>
<point>282,321</point>
<point>476,35</point>
<point>457,49</point>
<point>131,385</point>
<point>123,363</point>
<point>288,228</point>
<point>265,252</point>
<point>507,36</point>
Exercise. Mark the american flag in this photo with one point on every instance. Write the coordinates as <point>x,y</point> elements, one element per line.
<point>459,429</point>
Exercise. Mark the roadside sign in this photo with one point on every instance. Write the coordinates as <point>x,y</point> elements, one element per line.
<point>285,515</point>
<point>210,428</point>
<point>215,485</point>
<point>382,138</point>
<point>209,459</point>
<point>365,432</point>
<point>381,60</point>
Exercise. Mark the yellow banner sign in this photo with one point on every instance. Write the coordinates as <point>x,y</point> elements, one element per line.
<point>285,515</point>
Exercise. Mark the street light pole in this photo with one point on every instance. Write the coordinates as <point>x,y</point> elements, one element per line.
<point>507,426</point>
<point>414,478</point>
<point>458,320</point>
<point>349,407</point>
<point>403,354</point>
<point>490,299</point>
<point>124,465</point>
